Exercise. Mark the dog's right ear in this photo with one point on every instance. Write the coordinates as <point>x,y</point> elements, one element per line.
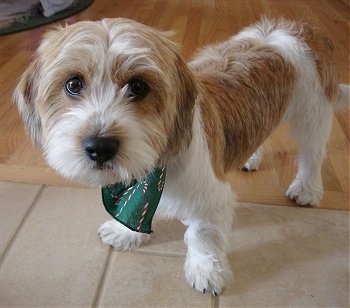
<point>25,96</point>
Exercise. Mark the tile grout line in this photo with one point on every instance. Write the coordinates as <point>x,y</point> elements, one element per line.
<point>96,302</point>
<point>22,222</point>
<point>215,301</point>
<point>150,252</point>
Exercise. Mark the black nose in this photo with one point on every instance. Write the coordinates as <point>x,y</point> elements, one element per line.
<point>100,149</point>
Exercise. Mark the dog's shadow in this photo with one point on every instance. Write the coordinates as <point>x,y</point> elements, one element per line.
<point>168,236</point>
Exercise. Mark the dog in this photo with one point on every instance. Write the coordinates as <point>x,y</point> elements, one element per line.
<point>108,101</point>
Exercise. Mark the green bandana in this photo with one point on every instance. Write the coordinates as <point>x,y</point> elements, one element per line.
<point>134,205</point>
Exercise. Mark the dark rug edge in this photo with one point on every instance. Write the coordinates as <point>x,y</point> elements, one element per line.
<point>37,22</point>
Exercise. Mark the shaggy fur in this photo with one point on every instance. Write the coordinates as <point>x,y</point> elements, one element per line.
<point>201,119</point>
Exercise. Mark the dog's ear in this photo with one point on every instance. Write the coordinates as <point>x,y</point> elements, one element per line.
<point>186,93</point>
<point>187,90</point>
<point>25,96</point>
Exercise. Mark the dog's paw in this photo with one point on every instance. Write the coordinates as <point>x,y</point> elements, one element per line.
<point>208,276</point>
<point>305,194</point>
<point>120,237</point>
<point>251,165</point>
<point>254,161</point>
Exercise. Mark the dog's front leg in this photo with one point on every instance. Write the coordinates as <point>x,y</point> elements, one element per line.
<point>120,237</point>
<point>206,265</point>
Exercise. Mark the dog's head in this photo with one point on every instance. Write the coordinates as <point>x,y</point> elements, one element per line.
<point>107,101</point>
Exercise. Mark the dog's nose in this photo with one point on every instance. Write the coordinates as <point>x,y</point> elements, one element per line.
<point>100,149</point>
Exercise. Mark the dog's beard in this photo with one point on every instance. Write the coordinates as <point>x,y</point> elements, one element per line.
<point>64,152</point>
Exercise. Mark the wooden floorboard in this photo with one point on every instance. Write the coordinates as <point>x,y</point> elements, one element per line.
<point>195,23</point>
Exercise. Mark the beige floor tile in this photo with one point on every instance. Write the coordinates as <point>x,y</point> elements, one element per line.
<point>57,258</point>
<point>141,280</point>
<point>15,201</point>
<point>289,256</point>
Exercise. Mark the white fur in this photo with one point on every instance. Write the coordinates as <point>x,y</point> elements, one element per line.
<point>207,213</point>
<point>120,237</point>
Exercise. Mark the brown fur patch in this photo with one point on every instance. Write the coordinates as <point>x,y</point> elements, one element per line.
<point>244,94</point>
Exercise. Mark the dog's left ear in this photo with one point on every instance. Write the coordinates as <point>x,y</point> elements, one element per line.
<point>187,90</point>
<point>25,96</point>
<point>185,93</point>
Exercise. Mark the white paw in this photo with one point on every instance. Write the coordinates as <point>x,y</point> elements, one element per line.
<point>254,161</point>
<point>251,165</point>
<point>207,275</point>
<point>305,194</point>
<point>120,237</point>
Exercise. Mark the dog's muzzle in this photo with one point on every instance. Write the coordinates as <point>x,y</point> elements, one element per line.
<point>100,149</point>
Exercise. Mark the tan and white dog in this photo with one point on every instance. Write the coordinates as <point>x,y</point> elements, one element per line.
<point>109,101</point>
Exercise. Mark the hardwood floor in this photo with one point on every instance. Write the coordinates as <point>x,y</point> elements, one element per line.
<point>196,23</point>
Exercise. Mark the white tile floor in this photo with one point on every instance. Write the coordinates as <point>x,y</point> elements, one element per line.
<point>51,256</point>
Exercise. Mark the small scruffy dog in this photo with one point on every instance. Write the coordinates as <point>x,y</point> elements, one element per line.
<point>109,101</point>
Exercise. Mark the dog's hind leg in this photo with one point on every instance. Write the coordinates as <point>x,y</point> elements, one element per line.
<point>311,129</point>
<point>120,237</point>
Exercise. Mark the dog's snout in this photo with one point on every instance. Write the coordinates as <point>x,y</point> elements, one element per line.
<point>100,149</point>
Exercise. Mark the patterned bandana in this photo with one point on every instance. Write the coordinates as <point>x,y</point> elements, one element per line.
<point>134,205</point>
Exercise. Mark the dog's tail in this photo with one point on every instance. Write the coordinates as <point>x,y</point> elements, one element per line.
<point>343,98</point>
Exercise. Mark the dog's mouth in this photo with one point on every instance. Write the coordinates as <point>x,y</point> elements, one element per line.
<point>102,173</point>
<point>110,173</point>
<point>103,166</point>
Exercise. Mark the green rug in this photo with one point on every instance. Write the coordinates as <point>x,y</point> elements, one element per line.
<point>33,17</point>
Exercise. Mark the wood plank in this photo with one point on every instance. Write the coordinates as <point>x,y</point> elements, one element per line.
<point>34,175</point>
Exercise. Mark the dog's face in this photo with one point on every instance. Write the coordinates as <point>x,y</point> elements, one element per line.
<point>107,101</point>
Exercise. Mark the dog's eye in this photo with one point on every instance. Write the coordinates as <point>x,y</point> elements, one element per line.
<point>74,86</point>
<point>138,89</point>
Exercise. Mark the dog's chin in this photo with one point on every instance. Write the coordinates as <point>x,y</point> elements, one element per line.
<point>100,177</point>
<point>96,174</point>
